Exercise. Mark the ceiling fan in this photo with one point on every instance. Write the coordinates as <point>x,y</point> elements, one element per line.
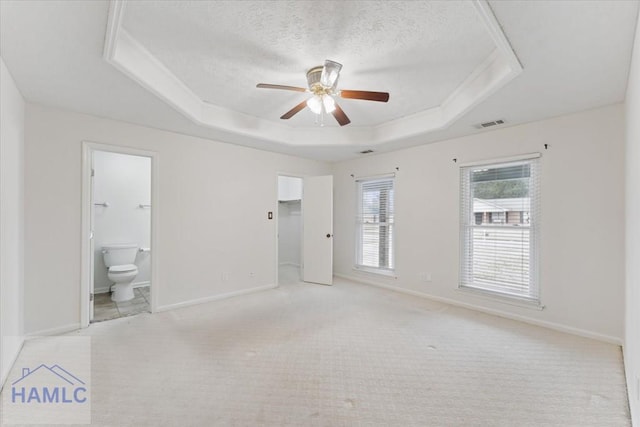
<point>322,82</point>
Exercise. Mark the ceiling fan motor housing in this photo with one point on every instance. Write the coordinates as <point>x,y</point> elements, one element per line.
<point>313,78</point>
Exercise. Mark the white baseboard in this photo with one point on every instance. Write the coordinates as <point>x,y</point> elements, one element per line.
<point>53,331</point>
<point>214,298</point>
<point>632,386</point>
<point>499,313</point>
<point>12,362</point>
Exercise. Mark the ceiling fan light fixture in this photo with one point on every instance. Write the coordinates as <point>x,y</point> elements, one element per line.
<point>330,73</point>
<point>329,104</point>
<point>315,104</point>
<point>322,83</point>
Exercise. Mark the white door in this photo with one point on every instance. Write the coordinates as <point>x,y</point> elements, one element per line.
<point>317,206</point>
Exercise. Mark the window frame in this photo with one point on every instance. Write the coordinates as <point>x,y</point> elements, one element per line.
<point>468,223</point>
<point>390,224</point>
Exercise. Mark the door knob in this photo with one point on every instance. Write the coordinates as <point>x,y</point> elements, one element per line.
<point>328,236</point>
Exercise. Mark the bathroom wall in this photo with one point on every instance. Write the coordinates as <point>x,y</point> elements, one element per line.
<point>124,182</point>
<point>11,220</point>
<point>214,236</point>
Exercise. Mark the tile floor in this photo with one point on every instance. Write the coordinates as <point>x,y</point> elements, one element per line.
<point>105,309</point>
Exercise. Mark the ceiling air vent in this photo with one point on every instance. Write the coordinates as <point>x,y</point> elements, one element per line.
<point>366,151</point>
<point>489,124</point>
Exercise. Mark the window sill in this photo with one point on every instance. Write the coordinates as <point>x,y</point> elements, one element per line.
<point>505,299</point>
<point>375,271</point>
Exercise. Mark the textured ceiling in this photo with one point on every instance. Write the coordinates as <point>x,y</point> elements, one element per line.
<point>418,51</point>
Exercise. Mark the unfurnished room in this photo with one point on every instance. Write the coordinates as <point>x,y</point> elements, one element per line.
<point>320,213</point>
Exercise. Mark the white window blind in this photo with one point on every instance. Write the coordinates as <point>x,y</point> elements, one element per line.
<point>500,208</point>
<point>375,224</point>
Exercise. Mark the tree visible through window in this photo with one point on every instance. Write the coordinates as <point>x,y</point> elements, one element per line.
<point>499,214</point>
<point>375,224</point>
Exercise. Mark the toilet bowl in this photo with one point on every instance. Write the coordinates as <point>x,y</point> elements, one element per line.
<point>122,277</point>
<point>119,259</point>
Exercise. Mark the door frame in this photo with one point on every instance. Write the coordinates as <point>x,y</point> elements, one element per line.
<point>86,279</point>
<point>277,227</point>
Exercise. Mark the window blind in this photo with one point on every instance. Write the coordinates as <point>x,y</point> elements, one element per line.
<point>375,223</point>
<point>499,217</point>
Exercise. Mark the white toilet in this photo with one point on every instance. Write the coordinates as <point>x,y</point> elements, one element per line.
<point>120,259</point>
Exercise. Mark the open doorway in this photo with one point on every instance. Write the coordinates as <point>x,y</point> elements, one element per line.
<point>289,229</point>
<point>304,230</point>
<point>118,227</point>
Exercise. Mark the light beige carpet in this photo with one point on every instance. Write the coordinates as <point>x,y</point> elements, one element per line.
<point>347,355</point>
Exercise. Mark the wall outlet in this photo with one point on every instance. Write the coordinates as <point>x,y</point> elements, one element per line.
<point>225,276</point>
<point>252,275</point>
<point>424,277</point>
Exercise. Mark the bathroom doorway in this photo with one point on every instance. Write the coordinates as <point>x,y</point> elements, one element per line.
<point>118,227</point>
<point>289,229</point>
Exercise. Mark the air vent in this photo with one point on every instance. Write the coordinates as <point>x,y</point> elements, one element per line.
<point>366,151</point>
<point>489,124</point>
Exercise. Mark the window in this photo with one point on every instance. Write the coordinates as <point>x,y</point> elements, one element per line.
<point>499,213</point>
<point>375,224</point>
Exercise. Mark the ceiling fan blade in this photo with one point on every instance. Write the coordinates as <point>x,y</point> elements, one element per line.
<point>330,73</point>
<point>295,110</point>
<point>340,116</point>
<point>270,86</point>
<point>366,95</point>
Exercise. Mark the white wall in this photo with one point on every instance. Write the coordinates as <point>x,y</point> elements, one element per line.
<point>213,226</point>
<point>289,233</point>
<point>289,188</point>
<point>632,322</point>
<point>11,220</point>
<point>124,182</point>
<point>582,243</point>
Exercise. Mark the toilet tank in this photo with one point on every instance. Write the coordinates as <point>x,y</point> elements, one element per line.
<point>119,254</point>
